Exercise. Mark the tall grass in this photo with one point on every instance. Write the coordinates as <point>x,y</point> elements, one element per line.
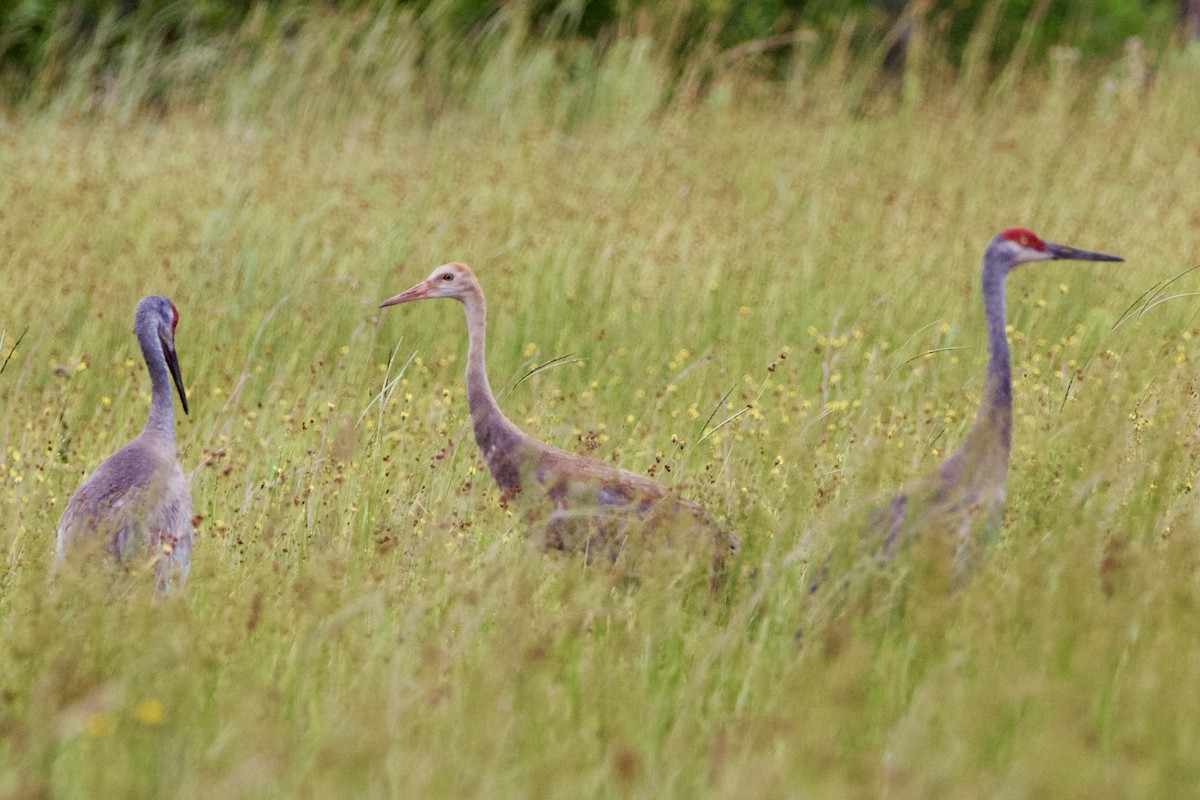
<point>363,619</point>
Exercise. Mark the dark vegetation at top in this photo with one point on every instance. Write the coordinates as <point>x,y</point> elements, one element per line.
<point>37,37</point>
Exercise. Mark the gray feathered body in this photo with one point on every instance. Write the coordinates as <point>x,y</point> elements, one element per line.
<point>964,499</point>
<point>137,505</point>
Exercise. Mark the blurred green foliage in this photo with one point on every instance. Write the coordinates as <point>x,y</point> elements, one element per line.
<point>1096,27</point>
<point>34,33</point>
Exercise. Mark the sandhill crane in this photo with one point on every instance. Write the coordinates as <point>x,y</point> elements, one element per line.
<point>137,502</point>
<point>582,493</point>
<point>965,496</point>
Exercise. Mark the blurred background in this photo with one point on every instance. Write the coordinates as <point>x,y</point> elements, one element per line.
<point>46,44</point>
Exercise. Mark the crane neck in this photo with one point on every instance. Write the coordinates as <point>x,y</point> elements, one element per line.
<point>160,424</point>
<point>995,409</point>
<point>488,420</point>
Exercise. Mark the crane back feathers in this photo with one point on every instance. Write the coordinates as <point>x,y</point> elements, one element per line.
<point>136,504</point>
<point>963,499</point>
<point>587,505</point>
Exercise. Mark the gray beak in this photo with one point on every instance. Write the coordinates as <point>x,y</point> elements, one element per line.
<point>1061,251</point>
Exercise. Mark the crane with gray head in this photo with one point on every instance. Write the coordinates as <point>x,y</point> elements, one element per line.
<point>964,497</point>
<point>137,503</point>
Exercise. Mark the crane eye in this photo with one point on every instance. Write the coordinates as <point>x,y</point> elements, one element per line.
<point>449,276</point>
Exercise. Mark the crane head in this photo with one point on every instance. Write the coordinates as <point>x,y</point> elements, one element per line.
<point>449,280</point>
<point>1014,246</point>
<point>159,316</point>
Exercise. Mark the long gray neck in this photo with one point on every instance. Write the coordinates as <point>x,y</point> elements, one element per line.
<point>161,422</point>
<point>995,409</point>
<point>492,429</point>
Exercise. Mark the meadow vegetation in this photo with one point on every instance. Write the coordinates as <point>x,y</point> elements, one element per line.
<point>763,292</point>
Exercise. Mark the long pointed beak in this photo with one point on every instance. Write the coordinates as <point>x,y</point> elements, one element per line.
<point>176,375</point>
<point>1061,251</point>
<point>418,292</point>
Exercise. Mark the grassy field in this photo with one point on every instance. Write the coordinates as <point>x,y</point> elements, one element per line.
<point>364,620</point>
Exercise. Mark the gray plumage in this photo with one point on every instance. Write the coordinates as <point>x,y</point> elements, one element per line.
<point>965,496</point>
<point>136,504</point>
